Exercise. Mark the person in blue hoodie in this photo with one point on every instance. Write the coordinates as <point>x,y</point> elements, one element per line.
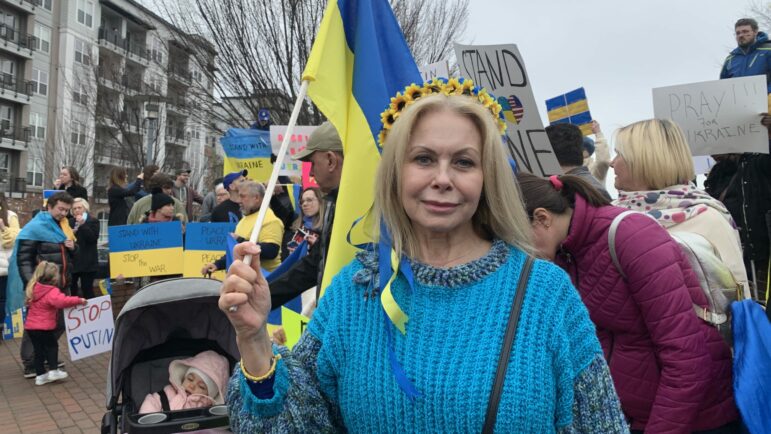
<point>752,56</point>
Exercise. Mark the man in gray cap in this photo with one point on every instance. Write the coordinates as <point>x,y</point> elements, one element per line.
<point>325,153</point>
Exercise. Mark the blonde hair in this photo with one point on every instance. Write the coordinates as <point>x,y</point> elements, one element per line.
<point>46,273</point>
<point>656,153</point>
<point>500,212</point>
<point>80,200</point>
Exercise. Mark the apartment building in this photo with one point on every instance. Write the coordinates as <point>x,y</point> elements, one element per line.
<point>96,85</point>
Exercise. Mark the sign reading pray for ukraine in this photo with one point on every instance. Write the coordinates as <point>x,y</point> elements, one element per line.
<point>501,71</point>
<point>204,244</point>
<point>297,142</point>
<point>571,108</point>
<point>90,328</point>
<point>248,149</point>
<point>152,249</point>
<point>719,116</point>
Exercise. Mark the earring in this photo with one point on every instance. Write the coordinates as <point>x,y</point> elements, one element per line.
<point>546,225</point>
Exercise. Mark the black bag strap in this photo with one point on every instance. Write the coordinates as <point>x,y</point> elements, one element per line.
<point>508,344</point>
<point>164,400</point>
<point>723,193</point>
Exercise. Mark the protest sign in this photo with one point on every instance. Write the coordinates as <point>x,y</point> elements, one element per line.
<point>90,328</point>
<point>14,324</point>
<point>297,142</point>
<point>571,108</point>
<point>717,117</point>
<point>248,149</point>
<point>501,70</point>
<point>150,249</point>
<point>205,243</point>
<point>434,70</point>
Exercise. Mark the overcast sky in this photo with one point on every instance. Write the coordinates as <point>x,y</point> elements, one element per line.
<point>617,50</point>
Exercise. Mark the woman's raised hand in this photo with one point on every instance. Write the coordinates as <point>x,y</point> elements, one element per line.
<point>246,288</point>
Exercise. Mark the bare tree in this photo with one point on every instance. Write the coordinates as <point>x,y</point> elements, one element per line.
<point>761,12</point>
<point>263,45</point>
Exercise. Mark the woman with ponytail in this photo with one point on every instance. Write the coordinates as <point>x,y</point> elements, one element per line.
<point>672,371</point>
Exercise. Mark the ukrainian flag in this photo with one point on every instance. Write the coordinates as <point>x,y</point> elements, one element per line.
<point>572,108</point>
<point>358,62</point>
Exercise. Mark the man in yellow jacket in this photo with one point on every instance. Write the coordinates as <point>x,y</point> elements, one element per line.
<point>271,233</point>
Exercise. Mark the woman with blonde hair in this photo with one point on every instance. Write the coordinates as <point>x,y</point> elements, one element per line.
<point>9,229</point>
<point>86,262</point>
<point>424,347</point>
<point>654,170</point>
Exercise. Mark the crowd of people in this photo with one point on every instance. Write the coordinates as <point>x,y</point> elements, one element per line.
<point>617,330</point>
<point>597,301</point>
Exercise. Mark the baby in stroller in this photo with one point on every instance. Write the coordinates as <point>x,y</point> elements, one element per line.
<point>195,382</point>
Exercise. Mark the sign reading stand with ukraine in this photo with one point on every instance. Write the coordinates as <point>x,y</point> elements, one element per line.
<point>153,249</point>
<point>571,108</point>
<point>205,243</point>
<point>247,149</point>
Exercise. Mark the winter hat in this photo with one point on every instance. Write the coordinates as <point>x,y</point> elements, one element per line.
<point>211,386</point>
<point>160,199</point>
<point>213,364</point>
<point>589,145</point>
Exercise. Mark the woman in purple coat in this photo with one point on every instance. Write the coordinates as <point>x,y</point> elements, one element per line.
<point>672,371</point>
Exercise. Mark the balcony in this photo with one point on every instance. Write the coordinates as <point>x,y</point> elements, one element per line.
<point>16,42</point>
<point>178,106</point>
<point>179,74</point>
<point>25,6</point>
<point>113,41</point>
<point>177,137</point>
<point>15,138</point>
<point>13,89</point>
<point>111,154</point>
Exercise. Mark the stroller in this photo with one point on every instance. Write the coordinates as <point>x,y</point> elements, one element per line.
<point>164,321</point>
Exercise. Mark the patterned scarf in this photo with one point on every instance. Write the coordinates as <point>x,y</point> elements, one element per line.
<point>673,205</point>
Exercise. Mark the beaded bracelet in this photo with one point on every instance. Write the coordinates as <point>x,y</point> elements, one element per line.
<point>271,371</point>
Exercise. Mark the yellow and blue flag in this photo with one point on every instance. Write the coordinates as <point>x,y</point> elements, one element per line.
<point>150,249</point>
<point>571,108</point>
<point>358,62</point>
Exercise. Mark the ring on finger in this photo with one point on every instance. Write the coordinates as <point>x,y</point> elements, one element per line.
<point>233,308</point>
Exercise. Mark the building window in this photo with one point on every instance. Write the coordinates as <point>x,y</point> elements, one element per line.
<point>157,51</point>
<point>5,165</point>
<point>82,52</point>
<point>86,12</point>
<point>43,34</point>
<point>34,172</point>
<point>47,4</point>
<point>78,133</point>
<point>79,94</point>
<point>39,81</point>
<point>7,114</point>
<point>37,123</point>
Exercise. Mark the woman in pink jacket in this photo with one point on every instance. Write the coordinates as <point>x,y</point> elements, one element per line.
<point>199,381</point>
<point>45,299</point>
<point>671,370</point>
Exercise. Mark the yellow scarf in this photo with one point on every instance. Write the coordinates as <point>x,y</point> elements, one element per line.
<point>65,225</point>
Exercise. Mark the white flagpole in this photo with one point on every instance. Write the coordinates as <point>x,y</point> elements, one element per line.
<point>279,158</point>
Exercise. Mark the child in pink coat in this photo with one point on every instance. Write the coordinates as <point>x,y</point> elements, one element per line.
<point>199,381</point>
<point>44,299</point>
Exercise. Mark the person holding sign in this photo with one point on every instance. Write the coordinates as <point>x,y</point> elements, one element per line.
<point>45,301</point>
<point>445,192</point>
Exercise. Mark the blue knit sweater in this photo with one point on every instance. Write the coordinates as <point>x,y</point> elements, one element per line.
<point>338,377</point>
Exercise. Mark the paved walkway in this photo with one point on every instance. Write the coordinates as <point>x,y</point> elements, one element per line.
<point>74,405</point>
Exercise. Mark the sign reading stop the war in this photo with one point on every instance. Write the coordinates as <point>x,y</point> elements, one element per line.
<point>90,328</point>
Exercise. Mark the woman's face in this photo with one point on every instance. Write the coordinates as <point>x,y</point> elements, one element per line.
<point>624,180</point>
<point>309,204</point>
<point>442,173</point>
<point>78,209</point>
<point>64,176</point>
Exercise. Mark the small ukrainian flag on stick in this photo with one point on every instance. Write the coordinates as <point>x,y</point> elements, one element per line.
<point>571,108</point>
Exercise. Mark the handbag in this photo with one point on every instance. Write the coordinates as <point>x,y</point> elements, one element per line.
<point>508,344</point>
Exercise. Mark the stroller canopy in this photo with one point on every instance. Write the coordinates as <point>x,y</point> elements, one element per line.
<point>168,309</point>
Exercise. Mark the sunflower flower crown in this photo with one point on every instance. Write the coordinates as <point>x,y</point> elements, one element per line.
<point>453,86</point>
